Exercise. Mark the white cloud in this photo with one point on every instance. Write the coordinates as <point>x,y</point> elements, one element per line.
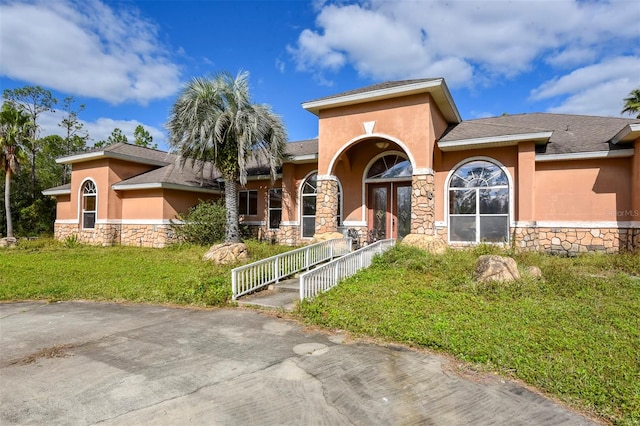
<point>596,89</point>
<point>466,42</point>
<point>100,129</point>
<point>85,48</point>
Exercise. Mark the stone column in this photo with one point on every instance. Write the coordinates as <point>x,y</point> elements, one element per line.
<point>423,202</point>
<point>327,204</point>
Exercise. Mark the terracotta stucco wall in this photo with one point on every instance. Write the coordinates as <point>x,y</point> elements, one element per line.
<point>142,204</point>
<point>583,190</point>
<point>63,207</point>
<point>175,202</point>
<point>407,119</point>
<point>635,182</point>
<point>118,171</point>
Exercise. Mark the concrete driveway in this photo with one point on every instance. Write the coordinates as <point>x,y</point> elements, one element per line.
<point>87,363</point>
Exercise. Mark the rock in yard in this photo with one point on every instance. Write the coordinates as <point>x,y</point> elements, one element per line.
<point>533,271</point>
<point>429,243</point>
<point>226,253</point>
<point>8,242</point>
<point>495,268</point>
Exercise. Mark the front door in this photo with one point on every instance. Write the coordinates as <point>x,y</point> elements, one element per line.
<point>389,207</point>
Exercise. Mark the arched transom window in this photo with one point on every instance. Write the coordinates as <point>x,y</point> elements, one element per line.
<point>390,167</point>
<point>308,198</point>
<point>89,205</point>
<point>479,203</point>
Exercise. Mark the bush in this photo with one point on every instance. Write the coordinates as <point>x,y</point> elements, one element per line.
<point>204,224</point>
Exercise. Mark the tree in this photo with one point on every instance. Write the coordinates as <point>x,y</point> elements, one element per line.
<point>15,128</point>
<point>33,101</point>
<point>115,137</point>
<point>632,103</point>
<point>143,138</point>
<point>75,137</point>
<point>213,120</point>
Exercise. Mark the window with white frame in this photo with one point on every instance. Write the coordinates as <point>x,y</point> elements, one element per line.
<point>308,203</point>
<point>479,203</point>
<point>275,208</point>
<point>89,205</point>
<point>248,202</point>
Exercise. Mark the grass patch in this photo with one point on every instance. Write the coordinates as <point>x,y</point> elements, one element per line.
<point>51,270</point>
<point>575,334</point>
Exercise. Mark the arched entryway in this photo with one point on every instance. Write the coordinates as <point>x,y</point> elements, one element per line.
<point>387,182</point>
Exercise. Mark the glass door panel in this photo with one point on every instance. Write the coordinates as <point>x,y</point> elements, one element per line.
<point>403,211</point>
<point>379,210</point>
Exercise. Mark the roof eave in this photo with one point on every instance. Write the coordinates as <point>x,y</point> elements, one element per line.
<point>55,192</point>
<point>629,133</point>
<point>590,155</point>
<point>96,155</point>
<point>494,141</point>
<point>163,185</point>
<point>437,88</point>
<point>303,159</point>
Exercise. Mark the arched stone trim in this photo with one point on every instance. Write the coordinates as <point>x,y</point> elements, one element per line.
<point>370,136</point>
<point>511,220</point>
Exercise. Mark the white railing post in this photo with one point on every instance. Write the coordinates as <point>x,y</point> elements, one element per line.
<point>248,278</point>
<point>276,269</point>
<point>328,275</point>
<point>234,286</point>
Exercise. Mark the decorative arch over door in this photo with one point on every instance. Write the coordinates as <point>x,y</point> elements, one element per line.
<point>388,189</point>
<point>479,203</point>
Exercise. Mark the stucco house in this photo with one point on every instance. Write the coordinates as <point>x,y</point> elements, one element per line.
<point>390,160</point>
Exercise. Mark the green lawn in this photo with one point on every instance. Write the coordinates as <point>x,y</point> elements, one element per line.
<point>48,270</point>
<point>576,334</point>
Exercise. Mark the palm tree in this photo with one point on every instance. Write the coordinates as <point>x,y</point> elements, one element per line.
<point>632,103</point>
<point>213,120</point>
<point>15,128</point>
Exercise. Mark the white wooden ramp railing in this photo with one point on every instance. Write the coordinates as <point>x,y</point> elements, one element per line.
<point>249,278</point>
<point>330,274</point>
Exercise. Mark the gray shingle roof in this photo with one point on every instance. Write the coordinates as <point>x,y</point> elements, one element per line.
<point>173,174</point>
<point>571,133</point>
<point>306,147</point>
<point>125,151</point>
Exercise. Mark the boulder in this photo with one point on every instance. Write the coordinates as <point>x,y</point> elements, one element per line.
<point>429,243</point>
<point>226,253</point>
<point>533,271</point>
<point>495,268</point>
<point>325,236</point>
<point>8,242</point>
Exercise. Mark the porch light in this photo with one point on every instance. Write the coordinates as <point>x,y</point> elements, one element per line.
<point>382,144</point>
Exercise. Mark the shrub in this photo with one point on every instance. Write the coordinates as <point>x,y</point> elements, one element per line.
<point>204,224</point>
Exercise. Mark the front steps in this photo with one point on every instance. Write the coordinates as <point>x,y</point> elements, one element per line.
<point>282,295</point>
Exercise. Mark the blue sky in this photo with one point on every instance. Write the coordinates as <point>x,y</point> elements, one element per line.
<point>126,60</point>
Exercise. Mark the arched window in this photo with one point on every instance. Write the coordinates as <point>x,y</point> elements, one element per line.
<point>308,198</point>
<point>479,203</point>
<point>390,167</point>
<point>89,205</point>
